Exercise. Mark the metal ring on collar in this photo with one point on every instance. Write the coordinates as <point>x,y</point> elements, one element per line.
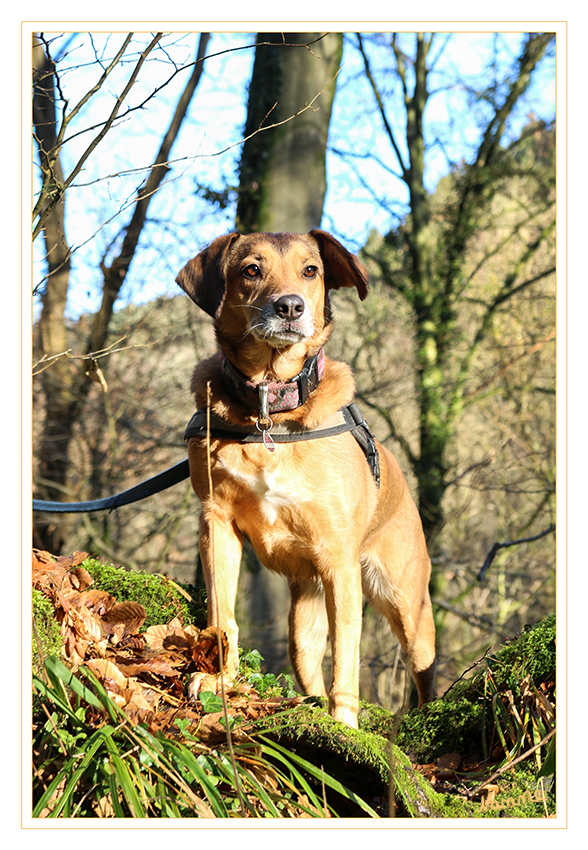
<point>261,426</point>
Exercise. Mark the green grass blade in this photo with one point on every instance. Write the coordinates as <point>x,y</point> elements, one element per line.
<point>52,787</point>
<point>97,740</point>
<point>318,774</point>
<point>180,767</point>
<point>116,806</point>
<point>57,671</point>
<point>125,781</point>
<point>302,785</point>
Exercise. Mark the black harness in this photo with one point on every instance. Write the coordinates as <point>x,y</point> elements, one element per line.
<point>347,419</point>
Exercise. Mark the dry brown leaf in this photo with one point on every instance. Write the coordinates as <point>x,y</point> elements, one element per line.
<point>103,807</point>
<point>155,665</point>
<point>130,615</point>
<point>138,704</point>
<point>80,578</point>
<point>206,652</point>
<point>97,601</point>
<point>142,673</point>
<point>154,636</point>
<point>107,670</point>
<point>200,682</point>
<point>304,801</point>
<point>85,625</point>
<point>211,730</point>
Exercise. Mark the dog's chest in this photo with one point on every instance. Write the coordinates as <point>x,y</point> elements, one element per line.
<point>272,487</point>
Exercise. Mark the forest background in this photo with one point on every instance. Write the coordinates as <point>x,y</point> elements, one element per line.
<point>495,462</point>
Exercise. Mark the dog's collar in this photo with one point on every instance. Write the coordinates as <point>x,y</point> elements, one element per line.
<point>281,396</point>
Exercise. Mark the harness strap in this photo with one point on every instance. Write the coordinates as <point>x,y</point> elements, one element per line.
<point>347,419</point>
<point>366,440</point>
<point>290,432</point>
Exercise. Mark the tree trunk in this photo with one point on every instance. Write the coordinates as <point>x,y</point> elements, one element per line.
<point>282,169</point>
<point>436,256</point>
<point>57,381</point>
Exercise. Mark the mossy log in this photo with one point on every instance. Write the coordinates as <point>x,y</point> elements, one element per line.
<point>363,761</point>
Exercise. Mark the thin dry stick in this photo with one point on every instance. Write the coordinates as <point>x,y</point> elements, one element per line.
<point>512,763</point>
<point>46,362</point>
<point>218,635</point>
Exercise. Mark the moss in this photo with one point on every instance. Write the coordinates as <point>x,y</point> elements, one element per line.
<point>361,760</point>
<point>530,654</point>
<point>442,727</point>
<point>162,599</point>
<point>311,725</point>
<point>47,640</point>
<point>456,722</point>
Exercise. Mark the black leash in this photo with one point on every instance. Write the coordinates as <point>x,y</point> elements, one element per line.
<point>160,482</point>
<point>350,420</point>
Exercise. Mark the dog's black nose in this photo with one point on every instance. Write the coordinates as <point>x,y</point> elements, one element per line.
<point>289,307</point>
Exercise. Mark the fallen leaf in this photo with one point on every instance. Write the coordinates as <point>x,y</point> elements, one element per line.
<point>130,615</point>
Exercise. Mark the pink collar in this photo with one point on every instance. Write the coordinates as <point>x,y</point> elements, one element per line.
<point>281,396</point>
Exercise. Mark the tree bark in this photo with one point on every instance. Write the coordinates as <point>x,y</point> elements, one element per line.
<point>57,381</point>
<point>282,169</point>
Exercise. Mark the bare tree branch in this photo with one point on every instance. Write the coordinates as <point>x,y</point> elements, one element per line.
<point>498,546</point>
<point>59,190</point>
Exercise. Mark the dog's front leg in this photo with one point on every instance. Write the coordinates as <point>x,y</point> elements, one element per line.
<point>220,550</point>
<point>343,597</point>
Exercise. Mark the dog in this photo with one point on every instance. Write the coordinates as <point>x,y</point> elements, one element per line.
<point>331,511</point>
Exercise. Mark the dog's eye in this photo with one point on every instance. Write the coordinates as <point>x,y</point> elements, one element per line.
<point>251,271</point>
<point>310,271</point>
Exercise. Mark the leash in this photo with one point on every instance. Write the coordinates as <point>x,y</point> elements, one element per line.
<point>348,419</point>
<point>160,482</point>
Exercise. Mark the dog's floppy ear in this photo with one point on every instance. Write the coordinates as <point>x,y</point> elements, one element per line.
<point>203,278</point>
<point>341,267</point>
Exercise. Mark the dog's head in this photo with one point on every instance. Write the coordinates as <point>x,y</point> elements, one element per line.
<point>272,286</point>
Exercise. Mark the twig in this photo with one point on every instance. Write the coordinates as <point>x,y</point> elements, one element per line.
<point>45,361</point>
<point>48,361</point>
<point>512,763</point>
<point>218,632</point>
<point>475,664</point>
<point>474,620</point>
<point>497,546</point>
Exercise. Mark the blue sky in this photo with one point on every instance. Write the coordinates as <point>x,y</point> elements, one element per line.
<point>363,192</point>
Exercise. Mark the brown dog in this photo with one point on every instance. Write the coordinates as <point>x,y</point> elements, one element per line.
<point>331,511</point>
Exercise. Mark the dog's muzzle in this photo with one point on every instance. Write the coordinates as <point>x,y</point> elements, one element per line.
<point>284,321</point>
